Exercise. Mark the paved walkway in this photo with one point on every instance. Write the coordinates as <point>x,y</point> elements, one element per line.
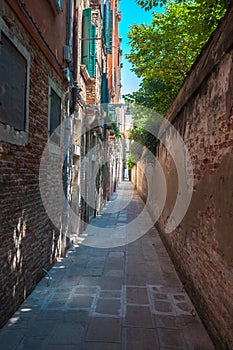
<point>114,298</point>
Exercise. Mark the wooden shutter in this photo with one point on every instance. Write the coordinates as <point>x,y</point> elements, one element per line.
<point>13,81</point>
<point>55,117</point>
<point>104,23</point>
<point>108,27</point>
<point>86,30</point>
<point>89,43</point>
<point>92,62</point>
<point>104,88</point>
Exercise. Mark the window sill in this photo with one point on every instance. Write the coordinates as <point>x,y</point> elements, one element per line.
<point>10,135</point>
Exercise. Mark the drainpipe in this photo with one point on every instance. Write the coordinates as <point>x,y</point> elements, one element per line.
<point>75,88</point>
<point>69,24</point>
<point>65,216</point>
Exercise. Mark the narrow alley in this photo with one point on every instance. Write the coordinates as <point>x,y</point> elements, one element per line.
<point>126,297</point>
<point>84,262</point>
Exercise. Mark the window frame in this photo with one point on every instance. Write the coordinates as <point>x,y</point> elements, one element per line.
<point>7,132</point>
<point>88,47</point>
<point>107,26</point>
<point>53,86</point>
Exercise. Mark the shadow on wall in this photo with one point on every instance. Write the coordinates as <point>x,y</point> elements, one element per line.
<point>24,254</point>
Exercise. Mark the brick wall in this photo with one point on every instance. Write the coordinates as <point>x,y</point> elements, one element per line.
<point>28,240</point>
<point>202,245</point>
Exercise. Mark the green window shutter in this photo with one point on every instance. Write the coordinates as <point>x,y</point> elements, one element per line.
<point>107,26</point>
<point>89,43</point>
<point>104,88</point>
<point>109,42</point>
<point>104,24</point>
<point>86,30</point>
<point>92,62</point>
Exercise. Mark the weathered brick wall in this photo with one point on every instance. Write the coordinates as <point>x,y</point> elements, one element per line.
<point>202,245</point>
<point>28,240</point>
<point>139,179</point>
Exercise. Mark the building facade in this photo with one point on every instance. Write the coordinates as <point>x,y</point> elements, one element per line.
<point>54,64</point>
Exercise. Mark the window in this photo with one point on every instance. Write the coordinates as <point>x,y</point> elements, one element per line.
<point>13,72</point>
<point>89,43</point>
<point>107,26</point>
<point>104,88</point>
<point>14,88</point>
<point>54,119</point>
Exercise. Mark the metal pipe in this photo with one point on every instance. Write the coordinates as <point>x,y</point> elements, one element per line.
<point>67,165</point>
<point>75,57</point>
<point>69,24</point>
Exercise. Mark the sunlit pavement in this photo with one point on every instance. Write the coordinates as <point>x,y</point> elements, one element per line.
<point>126,297</point>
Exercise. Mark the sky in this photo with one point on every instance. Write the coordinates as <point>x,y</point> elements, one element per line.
<point>131,14</point>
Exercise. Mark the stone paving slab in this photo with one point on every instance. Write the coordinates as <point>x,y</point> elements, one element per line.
<point>125,297</point>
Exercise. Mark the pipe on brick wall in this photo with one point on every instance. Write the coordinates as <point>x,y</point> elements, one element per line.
<point>75,88</point>
<point>65,214</point>
<point>69,24</point>
<point>67,158</point>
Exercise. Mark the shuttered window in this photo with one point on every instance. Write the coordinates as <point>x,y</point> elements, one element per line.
<point>92,61</point>
<point>89,43</point>
<point>107,26</point>
<point>104,88</point>
<point>54,115</point>
<point>13,87</point>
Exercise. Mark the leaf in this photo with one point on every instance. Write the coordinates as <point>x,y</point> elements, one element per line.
<point>161,54</point>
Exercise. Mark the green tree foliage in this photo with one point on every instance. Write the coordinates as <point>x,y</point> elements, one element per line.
<point>144,134</point>
<point>116,130</point>
<point>130,161</point>
<point>149,4</point>
<point>162,53</point>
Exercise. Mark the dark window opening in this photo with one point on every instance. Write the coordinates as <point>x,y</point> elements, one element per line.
<point>13,87</point>
<point>55,117</point>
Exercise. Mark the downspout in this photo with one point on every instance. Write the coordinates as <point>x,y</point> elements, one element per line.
<point>69,24</point>
<point>65,216</point>
<point>75,88</point>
